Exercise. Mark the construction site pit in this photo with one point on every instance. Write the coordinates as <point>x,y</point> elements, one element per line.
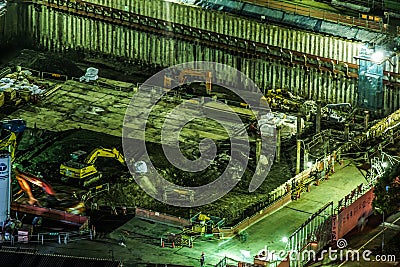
<point>72,116</point>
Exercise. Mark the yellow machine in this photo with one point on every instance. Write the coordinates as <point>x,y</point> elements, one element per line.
<point>2,99</point>
<point>205,225</point>
<point>8,141</point>
<point>86,172</point>
<point>182,78</point>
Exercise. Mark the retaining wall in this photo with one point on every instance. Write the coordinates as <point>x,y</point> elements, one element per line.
<point>53,30</point>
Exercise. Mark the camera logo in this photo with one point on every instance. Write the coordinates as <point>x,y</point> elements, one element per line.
<point>140,119</point>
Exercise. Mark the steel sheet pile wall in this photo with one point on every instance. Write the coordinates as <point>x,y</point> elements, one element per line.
<point>12,24</point>
<point>252,30</point>
<point>59,31</point>
<point>225,23</point>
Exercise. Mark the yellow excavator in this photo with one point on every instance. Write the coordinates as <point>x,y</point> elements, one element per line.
<point>8,141</point>
<point>85,172</point>
<point>183,76</point>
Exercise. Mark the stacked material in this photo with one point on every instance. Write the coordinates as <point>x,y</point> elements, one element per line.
<point>20,87</point>
<point>20,83</point>
<point>91,75</point>
<point>287,124</point>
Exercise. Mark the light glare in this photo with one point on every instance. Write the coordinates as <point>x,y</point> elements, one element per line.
<point>377,57</point>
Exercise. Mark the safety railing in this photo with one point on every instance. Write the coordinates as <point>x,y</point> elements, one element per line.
<point>23,237</point>
<point>222,262</point>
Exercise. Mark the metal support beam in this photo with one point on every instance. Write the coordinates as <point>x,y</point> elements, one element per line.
<point>318,118</point>
<point>298,156</point>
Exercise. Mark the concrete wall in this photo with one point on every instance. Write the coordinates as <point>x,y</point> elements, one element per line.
<point>59,32</point>
<point>56,31</point>
<point>258,31</point>
<point>11,26</point>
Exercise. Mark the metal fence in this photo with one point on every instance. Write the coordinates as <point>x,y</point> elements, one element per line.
<point>23,237</point>
<point>311,237</point>
<point>161,218</point>
<point>222,263</point>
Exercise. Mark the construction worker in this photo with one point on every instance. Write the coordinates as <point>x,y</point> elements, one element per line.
<point>202,259</point>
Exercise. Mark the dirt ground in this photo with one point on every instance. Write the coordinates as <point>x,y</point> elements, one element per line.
<point>65,118</point>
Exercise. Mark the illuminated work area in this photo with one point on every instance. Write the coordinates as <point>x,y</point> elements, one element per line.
<point>199,133</point>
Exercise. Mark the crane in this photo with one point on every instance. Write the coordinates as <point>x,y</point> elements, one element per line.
<point>25,179</point>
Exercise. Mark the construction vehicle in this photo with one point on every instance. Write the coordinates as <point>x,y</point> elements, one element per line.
<point>8,141</point>
<point>183,78</point>
<point>10,132</point>
<point>24,179</point>
<point>16,125</point>
<point>205,225</point>
<point>85,172</point>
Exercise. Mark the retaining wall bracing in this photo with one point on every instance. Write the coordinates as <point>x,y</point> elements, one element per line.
<point>59,31</point>
<point>91,35</point>
<point>252,30</point>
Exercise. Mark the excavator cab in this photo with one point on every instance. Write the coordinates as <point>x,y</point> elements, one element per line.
<point>15,125</point>
<point>78,156</point>
<point>82,169</point>
<point>77,169</point>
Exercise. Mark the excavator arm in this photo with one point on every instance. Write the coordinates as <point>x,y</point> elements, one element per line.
<point>104,152</point>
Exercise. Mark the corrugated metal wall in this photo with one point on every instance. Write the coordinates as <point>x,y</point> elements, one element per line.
<point>225,23</point>
<point>59,31</point>
<point>11,25</point>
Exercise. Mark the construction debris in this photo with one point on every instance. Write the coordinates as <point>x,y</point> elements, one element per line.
<point>91,75</point>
